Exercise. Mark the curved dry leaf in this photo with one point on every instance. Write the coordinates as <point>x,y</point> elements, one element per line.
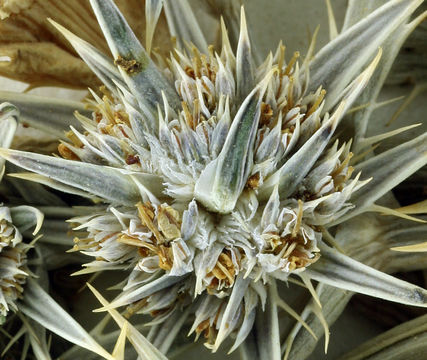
<point>38,53</point>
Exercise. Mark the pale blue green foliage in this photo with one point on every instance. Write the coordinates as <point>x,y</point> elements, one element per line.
<point>221,179</point>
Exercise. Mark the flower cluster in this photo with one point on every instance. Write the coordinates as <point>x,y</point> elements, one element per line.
<point>12,262</point>
<point>219,179</point>
<point>220,151</point>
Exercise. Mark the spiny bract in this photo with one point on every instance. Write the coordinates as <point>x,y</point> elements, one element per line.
<point>222,176</point>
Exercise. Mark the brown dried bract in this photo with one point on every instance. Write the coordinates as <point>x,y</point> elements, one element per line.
<point>253,181</point>
<point>224,272</point>
<point>299,259</point>
<point>146,215</point>
<point>266,114</point>
<point>130,66</point>
<point>294,248</point>
<point>132,159</point>
<point>165,257</point>
<point>169,222</point>
<point>66,153</point>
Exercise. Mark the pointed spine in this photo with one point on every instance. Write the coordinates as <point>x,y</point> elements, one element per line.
<point>336,269</point>
<point>145,81</point>
<point>183,23</point>
<point>337,63</point>
<point>244,66</point>
<point>98,62</point>
<point>153,8</point>
<point>386,171</point>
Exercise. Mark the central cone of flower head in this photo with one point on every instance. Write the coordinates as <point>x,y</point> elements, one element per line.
<point>236,173</point>
<point>12,261</point>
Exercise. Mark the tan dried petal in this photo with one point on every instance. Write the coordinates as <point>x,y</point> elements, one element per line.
<point>146,216</point>
<point>169,224</point>
<point>8,7</point>
<point>45,63</point>
<point>41,56</point>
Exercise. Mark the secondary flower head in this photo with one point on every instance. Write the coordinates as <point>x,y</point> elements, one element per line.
<point>12,262</point>
<point>13,249</point>
<point>221,176</point>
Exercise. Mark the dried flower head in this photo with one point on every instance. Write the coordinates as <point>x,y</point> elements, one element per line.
<point>222,178</point>
<point>12,262</point>
<point>13,250</point>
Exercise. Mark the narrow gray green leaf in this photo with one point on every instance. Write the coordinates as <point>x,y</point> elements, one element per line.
<point>53,116</point>
<point>387,170</point>
<point>337,63</point>
<point>357,10</point>
<point>38,179</point>
<point>153,8</point>
<point>244,66</point>
<point>39,306</point>
<point>145,81</point>
<point>102,181</point>
<point>336,269</point>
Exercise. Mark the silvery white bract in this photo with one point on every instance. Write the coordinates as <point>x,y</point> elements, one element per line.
<point>222,177</point>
